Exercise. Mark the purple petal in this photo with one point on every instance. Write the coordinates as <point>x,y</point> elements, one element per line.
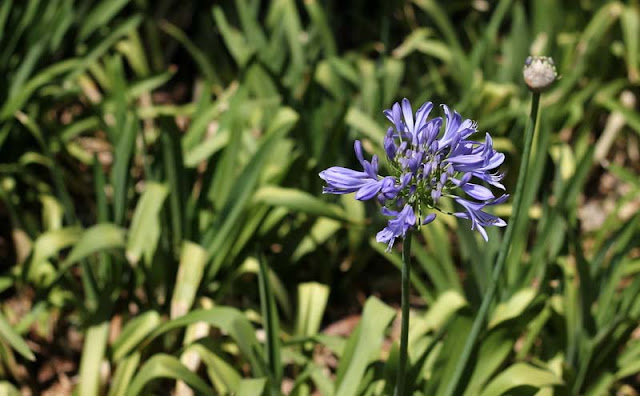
<point>423,113</point>
<point>368,191</point>
<point>357,147</point>
<point>478,192</point>
<point>408,114</point>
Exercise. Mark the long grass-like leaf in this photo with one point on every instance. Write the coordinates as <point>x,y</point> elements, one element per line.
<point>95,344</point>
<point>145,225</point>
<point>9,336</point>
<point>312,301</point>
<point>123,375</point>
<point>166,366</point>
<point>271,323</point>
<point>228,319</point>
<point>190,271</point>
<point>363,346</point>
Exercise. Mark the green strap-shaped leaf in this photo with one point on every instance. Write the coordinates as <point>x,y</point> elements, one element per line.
<point>10,336</point>
<point>45,76</point>
<point>299,201</point>
<point>124,149</point>
<point>447,304</point>
<point>630,24</point>
<point>251,265</point>
<point>123,375</point>
<point>363,346</point>
<point>192,261</point>
<point>95,239</point>
<point>229,320</point>
<point>50,243</point>
<point>115,34</point>
<point>95,343</point>
<point>100,15</point>
<point>512,308</point>
<point>244,186</point>
<point>271,325</point>
<point>166,366</point>
<point>320,232</point>
<point>520,374</point>
<point>251,387</point>
<point>145,225</point>
<point>134,332</point>
<point>224,377</point>
<point>241,49</point>
<point>492,353</point>
<point>312,300</point>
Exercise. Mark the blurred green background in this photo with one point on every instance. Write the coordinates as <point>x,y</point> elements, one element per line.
<point>162,224</point>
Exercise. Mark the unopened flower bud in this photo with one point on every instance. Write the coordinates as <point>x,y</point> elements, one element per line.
<point>539,73</point>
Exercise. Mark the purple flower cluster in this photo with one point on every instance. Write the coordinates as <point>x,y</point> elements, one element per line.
<point>425,167</point>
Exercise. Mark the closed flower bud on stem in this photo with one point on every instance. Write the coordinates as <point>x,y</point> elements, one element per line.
<point>539,73</point>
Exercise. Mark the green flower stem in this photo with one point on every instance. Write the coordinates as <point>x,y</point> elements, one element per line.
<point>502,254</point>
<point>404,330</point>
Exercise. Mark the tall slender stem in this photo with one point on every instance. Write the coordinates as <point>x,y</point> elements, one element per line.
<point>502,254</point>
<point>404,330</point>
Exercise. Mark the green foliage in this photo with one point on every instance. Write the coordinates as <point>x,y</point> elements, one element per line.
<point>160,198</point>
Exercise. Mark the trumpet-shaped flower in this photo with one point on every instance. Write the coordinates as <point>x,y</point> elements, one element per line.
<point>426,162</point>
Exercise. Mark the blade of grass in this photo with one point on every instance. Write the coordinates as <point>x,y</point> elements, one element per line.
<point>190,271</point>
<point>124,373</point>
<point>99,16</point>
<point>145,228</point>
<point>271,326</point>
<point>12,338</point>
<point>363,346</point>
<point>166,366</point>
<point>95,344</point>
<point>124,149</point>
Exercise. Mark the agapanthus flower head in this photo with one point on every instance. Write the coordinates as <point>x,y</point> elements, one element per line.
<point>427,161</point>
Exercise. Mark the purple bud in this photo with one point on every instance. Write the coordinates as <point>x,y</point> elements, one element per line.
<point>404,180</point>
<point>388,189</point>
<point>357,146</point>
<point>374,164</point>
<point>427,168</point>
<point>403,147</point>
<point>443,178</point>
<point>429,218</point>
<point>415,161</point>
<point>435,195</point>
<point>390,145</point>
<point>465,179</point>
<point>450,170</point>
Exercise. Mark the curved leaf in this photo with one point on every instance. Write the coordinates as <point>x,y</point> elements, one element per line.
<point>363,346</point>
<point>512,308</point>
<point>134,332</point>
<point>520,374</point>
<point>166,366</point>
<point>299,201</point>
<point>145,225</point>
<point>229,320</point>
<point>10,336</point>
<point>95,239</point>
